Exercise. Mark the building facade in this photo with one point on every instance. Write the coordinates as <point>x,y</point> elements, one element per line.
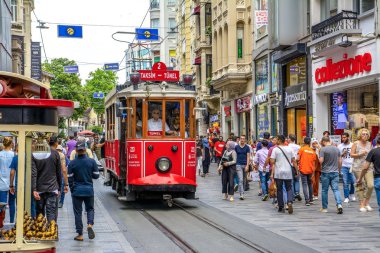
<point>137,57</point>
<point>185,37</point>
<point>5,36</point>
<point>201,58</point>
<point>232,64</point>
<point>163,17</point>
<point>22,36</point>
<point>345,74</point>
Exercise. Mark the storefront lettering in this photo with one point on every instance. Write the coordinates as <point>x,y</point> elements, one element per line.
<point>342,69</point>
<point>260,98</point>
<point>324,44</point>
<point>295,97</point>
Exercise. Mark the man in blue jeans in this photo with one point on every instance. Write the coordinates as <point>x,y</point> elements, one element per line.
<point>80,173</point>
<point>348,177</point>
<point>373,157</point>
<point>242,163</point>
<point>331,160</point>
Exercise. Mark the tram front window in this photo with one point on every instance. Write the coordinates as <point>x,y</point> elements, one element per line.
<point>155,122</point>
<point>164,119</point>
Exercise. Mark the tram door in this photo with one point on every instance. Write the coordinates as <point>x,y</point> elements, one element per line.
<point>123,126</point>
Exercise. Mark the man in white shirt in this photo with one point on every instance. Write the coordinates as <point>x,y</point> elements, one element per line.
<point>155,124</point>
<point>348,177</point>
<point>282,158</point>
<point>296,180</point>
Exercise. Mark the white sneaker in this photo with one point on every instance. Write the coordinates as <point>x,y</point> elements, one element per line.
<point>369,209</point>
<point>363,209</point>
<point>352,198</point>
<point>346,200</point>
<point>225,196</point>
<point>315,198</point>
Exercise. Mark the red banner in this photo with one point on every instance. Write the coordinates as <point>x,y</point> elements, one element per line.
<point>159,73</point>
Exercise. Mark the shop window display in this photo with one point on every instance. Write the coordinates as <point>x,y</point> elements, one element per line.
<point>354,109</point>
<point>296,71</point>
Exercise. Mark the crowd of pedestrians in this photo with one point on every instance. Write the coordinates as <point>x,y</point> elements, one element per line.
<point>57,165</point>
<point>281,165</point>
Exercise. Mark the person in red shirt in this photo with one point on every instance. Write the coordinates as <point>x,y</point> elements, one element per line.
<point>218,149</point>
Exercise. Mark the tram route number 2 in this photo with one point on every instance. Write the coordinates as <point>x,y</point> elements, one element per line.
<point>159,73</point>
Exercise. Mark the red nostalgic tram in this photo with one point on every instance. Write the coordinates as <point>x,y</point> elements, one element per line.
<point>150,148</point>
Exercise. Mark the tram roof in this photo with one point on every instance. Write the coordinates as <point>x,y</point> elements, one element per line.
<point>155,91</point>
<point>23,79</point>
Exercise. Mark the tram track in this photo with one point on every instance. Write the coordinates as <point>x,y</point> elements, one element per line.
<point>186,245</point>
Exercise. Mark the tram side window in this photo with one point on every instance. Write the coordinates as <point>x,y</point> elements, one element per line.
<point>173,118</point>
<point>139,125</point>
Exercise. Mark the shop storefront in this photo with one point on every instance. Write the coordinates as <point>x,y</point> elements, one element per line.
<point>262,114</point>
<point>295,107</point>
<point>346,89</point>
<point>293,110</point>
<point>260,99</point>
<point>243,111</point>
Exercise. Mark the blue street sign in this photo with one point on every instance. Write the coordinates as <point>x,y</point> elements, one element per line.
<point>147,34</point>
<point>98,95</point>
<point>70,69</point>
<point>111,66</point>
<point>70,31</point>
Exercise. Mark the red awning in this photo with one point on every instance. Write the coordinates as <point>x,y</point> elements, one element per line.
<point>198,60</point>
<point>86,132</point>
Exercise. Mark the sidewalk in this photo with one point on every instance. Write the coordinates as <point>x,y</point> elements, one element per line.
<point>325,232</point>
<point>109,238</point>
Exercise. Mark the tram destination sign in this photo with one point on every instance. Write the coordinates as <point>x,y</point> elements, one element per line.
<point>159,73</point>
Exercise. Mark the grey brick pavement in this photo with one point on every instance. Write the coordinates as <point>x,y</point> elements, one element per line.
<point>351,232</point>
<point>109,238</point>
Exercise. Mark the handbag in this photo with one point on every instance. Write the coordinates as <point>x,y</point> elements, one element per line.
<point>272,189</point>
<point>294,170</point>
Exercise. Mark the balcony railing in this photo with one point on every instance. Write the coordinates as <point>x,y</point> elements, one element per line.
<point>213,92</point>
<point>345,20</point>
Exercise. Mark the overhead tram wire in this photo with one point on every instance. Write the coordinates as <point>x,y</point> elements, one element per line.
<point>172,29</point>
<point>146,14</point>
<point>42,38</point>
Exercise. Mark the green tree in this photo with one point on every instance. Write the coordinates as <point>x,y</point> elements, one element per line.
<point>67,86</point>
<point>100,81</point>
<point>97,129</point>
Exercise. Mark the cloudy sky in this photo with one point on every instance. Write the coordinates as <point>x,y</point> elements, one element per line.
<point>97,46</point>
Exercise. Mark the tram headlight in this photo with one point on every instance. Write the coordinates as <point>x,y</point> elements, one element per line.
<point>163,164</point>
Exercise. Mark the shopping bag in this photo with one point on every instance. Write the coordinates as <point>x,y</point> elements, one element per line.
<point>272,189</point>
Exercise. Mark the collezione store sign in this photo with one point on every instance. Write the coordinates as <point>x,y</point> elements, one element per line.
<point>342,69</point>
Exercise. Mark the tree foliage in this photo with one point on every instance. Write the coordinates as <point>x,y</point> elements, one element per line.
<point>100,81</point>
<point>67,86</point>
<point>97,129</point>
